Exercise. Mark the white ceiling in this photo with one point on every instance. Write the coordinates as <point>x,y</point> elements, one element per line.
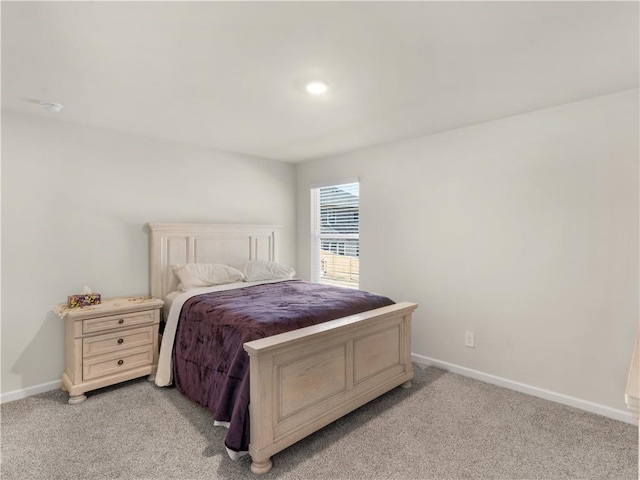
<point>231,75</point>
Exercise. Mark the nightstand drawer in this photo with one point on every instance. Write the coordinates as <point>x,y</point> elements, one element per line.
<point>101,324</point>
<point>117,362</point>
<point>113,342</point>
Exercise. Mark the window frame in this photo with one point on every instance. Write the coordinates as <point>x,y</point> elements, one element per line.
<point>316,230</point>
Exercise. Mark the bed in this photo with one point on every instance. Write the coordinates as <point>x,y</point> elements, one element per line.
<point>301,380</point>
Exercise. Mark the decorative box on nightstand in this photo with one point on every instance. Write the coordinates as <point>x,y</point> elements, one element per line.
<point>109,343</point>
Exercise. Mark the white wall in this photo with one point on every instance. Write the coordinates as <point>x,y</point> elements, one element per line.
<point>523,230</point>
<point>74,203</point>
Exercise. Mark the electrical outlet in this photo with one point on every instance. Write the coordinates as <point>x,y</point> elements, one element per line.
<point>469,339</point>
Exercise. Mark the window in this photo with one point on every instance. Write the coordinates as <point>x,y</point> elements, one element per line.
<point>335,234</point>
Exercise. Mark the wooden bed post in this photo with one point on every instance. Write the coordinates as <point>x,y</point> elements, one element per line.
<point>260,413</point>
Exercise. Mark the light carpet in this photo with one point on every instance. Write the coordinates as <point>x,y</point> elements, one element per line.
<point>446,427</point>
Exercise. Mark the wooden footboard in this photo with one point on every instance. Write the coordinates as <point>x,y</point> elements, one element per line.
<point>305,379</point>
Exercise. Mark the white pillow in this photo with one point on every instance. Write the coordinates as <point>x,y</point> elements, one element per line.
<point>264,270</point>
<point>194,275</point>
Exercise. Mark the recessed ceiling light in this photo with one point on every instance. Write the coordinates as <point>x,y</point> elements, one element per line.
<point>51,107</point>
<point>317,88</point>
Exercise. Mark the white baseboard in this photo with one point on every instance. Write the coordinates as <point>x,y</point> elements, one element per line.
<point>27,392</point>
<point>622,415</point>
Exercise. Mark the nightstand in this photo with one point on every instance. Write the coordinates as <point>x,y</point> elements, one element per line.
<point>109,343</point>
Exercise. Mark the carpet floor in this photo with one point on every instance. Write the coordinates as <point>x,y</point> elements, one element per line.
<point>446,427</point>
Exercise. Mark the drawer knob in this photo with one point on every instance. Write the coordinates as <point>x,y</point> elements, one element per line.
<point>120,340</point>
<point>120,362</point>
<point>121,320</point>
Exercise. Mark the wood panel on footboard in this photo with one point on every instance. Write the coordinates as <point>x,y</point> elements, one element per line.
<point>305,379</point>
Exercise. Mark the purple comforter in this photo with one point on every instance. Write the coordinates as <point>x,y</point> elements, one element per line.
<point>210,364</point>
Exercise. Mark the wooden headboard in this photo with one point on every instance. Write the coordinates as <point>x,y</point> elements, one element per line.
<point>180,243</point>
